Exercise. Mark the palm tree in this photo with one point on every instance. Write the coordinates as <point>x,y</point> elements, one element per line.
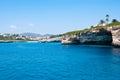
<point>107,18</point>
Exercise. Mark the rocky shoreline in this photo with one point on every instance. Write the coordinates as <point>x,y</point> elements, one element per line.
<point>95,36</point>
<point>103,36</point>
<point>55,39</point>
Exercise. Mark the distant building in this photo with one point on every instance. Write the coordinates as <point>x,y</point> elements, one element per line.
<point>95,30</point>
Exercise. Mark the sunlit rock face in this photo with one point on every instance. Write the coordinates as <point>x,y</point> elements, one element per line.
<point>104,36</point>
<point>96,37</point>
<point>116,36</point>
<point>70,40</point>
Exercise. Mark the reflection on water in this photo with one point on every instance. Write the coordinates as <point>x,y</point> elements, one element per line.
<point>116,51</point>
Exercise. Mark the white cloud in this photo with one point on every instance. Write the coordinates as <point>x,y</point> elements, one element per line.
<point>31,24</point>
<point>13,26</point>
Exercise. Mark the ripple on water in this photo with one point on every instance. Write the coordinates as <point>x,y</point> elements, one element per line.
<point>52,61</point>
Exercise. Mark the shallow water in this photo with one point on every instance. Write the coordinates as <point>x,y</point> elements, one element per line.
<point>53,61</point>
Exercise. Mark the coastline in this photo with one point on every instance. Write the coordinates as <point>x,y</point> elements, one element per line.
<point>11,41</point>
<point>95,36</point>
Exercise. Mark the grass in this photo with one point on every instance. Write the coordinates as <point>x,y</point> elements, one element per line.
<point>76,32</point>
<point>88,29</point>
<point>113,24</point>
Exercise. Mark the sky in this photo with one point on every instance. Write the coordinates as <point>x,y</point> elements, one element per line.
<point>54,16</point>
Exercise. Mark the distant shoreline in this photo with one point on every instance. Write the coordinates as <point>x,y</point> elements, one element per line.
<point>11,41</point>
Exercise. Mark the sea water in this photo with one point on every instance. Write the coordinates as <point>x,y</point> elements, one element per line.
<point>53,61</point>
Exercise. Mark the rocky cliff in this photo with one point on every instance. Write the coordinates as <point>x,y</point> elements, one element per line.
<point>97,37</point>
<point>115,36</point>
<point>70,40</point>
<point>103,36</point>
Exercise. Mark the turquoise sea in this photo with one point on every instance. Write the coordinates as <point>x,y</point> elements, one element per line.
<point>53,61</point>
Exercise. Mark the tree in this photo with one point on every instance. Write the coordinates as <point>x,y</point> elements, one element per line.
<point>101,22</point>
<point>92,26</point>
<point>107,18</point>
<point>114,20</point>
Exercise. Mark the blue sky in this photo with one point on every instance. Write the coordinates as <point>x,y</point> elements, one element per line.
<point>54,16</point>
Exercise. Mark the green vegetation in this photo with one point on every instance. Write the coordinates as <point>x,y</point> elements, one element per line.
<point>5,38</point>
<point>101,22</point>
<point>54,36</point>
<point>77,32</point>
<point>1,37</point>
<point>113,24</point>
<point>101,25</point>
<point>73,32</point>
<point>114,20</point>
<point>10,37</point>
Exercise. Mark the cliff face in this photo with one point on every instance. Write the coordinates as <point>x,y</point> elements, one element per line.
<point>104,36</point>
<point>70,40</point>
<point>116,36</point>
<point>97,37</point>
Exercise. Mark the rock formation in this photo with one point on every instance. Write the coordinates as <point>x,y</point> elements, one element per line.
<point>116,36</point>
<point>103,36</point>
<point>98,37</point>
<point>70,41</point>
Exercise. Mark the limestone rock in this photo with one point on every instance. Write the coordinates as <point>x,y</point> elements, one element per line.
<point>70,41</point>
<point>116,36</point>
<point>101,37</point>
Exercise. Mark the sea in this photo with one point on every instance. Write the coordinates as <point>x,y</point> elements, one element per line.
<point>53,61</point>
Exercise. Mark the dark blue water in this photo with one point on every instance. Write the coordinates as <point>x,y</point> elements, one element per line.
<point>53,61</point>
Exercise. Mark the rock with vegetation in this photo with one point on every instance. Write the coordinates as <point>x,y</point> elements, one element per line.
<point>108,34</point>
<point>114,27</point>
